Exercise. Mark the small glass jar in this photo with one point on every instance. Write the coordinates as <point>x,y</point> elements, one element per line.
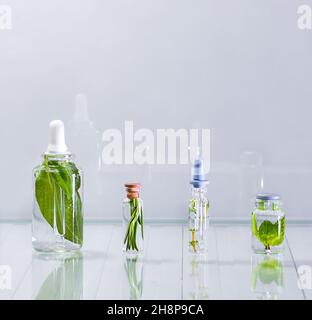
<point>57,221</point>
<point>198,219</point>
<point>268,224</point>
<point>133,219</point>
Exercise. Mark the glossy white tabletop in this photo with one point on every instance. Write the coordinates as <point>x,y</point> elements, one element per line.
<point>166,270</point>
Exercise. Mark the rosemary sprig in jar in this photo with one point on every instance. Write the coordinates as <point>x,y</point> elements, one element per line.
<point>134,218</point>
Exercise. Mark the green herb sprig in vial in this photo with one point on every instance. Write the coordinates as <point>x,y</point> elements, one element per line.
<point>133,219</point>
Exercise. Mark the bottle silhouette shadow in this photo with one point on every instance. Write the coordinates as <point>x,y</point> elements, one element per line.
<point>84,141</point>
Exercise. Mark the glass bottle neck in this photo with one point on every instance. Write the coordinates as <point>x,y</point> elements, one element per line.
<point>49,157</point>
<point>268,205</point>
<point>127,200</point>
<point>199,192</point>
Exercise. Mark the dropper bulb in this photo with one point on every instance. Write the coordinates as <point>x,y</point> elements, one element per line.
<point>57,143</point>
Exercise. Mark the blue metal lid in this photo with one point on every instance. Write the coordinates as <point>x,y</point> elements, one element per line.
<point>268,197</point>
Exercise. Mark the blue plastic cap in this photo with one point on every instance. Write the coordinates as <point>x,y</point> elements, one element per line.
<point>198,176</point>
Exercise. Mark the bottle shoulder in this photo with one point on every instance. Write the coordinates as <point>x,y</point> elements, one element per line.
<point>57,166</point>
<point>199,198</point>
<point>128,201</point>
<point>267,213</point>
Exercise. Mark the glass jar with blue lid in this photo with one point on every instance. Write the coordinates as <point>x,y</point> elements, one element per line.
<point>268,224</point>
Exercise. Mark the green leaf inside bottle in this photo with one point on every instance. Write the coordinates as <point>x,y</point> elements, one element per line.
<point>57,191</point>
<point>269,234</point>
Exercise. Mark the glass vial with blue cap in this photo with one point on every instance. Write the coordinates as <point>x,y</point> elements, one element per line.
<point>198,209</point>
<point>268,224</point>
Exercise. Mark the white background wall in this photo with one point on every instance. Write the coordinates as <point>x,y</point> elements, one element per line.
<point>241,68</point>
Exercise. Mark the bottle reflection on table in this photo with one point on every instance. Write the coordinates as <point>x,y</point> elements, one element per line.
<point>198,277</point>
<point>267,276</point>
<point>58,277</point>
<point>133,266</point>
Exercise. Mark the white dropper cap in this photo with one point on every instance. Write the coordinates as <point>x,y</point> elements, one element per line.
<point>57,143</point>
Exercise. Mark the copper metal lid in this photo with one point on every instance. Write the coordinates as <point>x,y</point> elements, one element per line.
<point>133,190</point>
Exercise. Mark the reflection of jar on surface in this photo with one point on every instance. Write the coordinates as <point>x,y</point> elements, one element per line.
<point>199,277</point>
<point>134,272</point>
<point>267,276</point>
<point>57,276</point>
<point>268,224</point>
<point>198,210</point>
